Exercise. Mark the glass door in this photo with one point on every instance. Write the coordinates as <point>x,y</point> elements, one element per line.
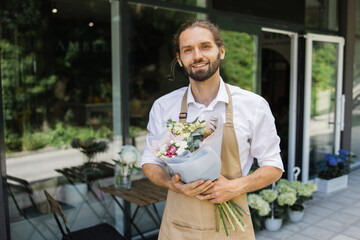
<point>322,100</point>
<point>279,87</point>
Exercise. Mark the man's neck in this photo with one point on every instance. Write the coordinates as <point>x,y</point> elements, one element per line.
<point>205,92</point>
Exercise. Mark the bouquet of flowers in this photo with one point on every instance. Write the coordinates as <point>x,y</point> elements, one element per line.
<point>193,150</point>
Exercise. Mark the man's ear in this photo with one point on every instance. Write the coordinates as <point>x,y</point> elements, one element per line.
<point>222,52</point>
<point>178,59</point>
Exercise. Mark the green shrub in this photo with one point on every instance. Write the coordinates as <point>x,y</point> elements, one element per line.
<point>13,142</point>
<point>37,140</point>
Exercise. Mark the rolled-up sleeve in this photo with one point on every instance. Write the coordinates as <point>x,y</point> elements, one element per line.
<point>154,128</point>
<point>265,143</point>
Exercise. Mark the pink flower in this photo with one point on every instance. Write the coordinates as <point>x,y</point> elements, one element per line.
<point>171,151</point>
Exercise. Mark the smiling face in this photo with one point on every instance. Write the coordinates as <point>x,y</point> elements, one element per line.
<point>199,54</point>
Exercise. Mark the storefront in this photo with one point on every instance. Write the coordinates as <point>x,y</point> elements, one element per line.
<point>94,68</point>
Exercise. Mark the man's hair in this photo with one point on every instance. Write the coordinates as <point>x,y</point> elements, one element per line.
<point>198,23</point>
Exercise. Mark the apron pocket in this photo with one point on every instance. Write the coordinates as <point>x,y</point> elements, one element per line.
<point>179,230</point>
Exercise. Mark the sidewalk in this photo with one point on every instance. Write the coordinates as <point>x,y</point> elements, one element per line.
<point>334,216</point>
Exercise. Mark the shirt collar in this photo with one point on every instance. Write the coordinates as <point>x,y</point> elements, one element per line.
<point>222,95</point>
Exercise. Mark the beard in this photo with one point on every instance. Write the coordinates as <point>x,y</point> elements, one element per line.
<point>202,75</point>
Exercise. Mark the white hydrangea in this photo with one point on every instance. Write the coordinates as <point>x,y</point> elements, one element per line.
<point>307,190</point>
<point>257,202</point>
<point>269,195</point>
<point>286,198</point>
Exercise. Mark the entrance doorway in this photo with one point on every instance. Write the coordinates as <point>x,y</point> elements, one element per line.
<point>323,101</point>
<point>278,87</point>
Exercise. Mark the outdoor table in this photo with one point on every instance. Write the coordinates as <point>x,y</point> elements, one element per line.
<point>142,193</point>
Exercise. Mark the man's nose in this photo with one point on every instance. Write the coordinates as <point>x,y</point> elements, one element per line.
<point>197,54</point>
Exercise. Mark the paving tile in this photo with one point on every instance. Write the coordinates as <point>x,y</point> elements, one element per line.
<point>319,211</point>
<point>342,199</point>
<point>299,236</point>
<point>352,231</point>
<point>344,217</point>
<point>261,237</point>
<point>332,225</point>
<point>352,210</point>
<point>330,205</point>
<point>296,227</point>
<point>318,233</point>
<point>283,234</point>
<point>351,194</point>
<point>311,218</point>
<point>342,237</point>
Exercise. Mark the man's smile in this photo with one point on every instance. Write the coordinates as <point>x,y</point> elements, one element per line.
<point>198,66</point>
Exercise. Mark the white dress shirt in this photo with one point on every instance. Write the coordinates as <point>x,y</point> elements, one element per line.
<point>253,122</point>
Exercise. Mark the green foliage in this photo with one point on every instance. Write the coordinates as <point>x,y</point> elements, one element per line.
<point>239,66</point>
<point>21,88</point>
<point>323,74</point>
<point>60,136</point>
<point>34,141</point>
<point>13,142</point>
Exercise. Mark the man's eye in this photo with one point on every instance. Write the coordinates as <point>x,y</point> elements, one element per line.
<point>187,50</point>
<point>206,46</point>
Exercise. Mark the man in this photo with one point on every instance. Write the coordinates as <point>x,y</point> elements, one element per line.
<point>249,131</point>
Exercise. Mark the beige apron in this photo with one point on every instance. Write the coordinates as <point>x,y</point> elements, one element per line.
<point>190,218</point>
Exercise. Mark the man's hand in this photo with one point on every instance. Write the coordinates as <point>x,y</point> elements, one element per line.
<point>223,190</point>
<point>190,189</point>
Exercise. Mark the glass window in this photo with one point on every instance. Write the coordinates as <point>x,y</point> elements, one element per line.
<point>355,131</point>
<point>322,14</point>
<point>150,57</point>
<point>323,87</point>
<point>56,82</point>
<point>240,64</point>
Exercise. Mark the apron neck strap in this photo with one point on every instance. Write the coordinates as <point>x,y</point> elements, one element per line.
<point>183,111</point>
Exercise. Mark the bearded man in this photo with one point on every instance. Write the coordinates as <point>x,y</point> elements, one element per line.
<point>248,132</point>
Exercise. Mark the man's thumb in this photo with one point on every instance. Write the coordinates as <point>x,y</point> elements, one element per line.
<point>175,178</point>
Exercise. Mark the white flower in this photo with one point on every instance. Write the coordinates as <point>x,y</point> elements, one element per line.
<point>129,157</point>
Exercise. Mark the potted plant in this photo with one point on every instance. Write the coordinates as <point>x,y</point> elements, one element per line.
<point>303,193</point>
<point>259,209</point>
<point>265,211</point>
<point>274,219</point>
<point>127,164</point>
<point>334,169</point>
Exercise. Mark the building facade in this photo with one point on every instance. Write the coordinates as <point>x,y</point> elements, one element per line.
<point>93,68</point>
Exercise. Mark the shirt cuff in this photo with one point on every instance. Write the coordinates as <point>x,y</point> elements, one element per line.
<point>274,161</point>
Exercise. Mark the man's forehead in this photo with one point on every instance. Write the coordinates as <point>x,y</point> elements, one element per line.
<point>196,35</point>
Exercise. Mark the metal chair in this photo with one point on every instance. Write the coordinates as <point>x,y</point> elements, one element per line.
<point>101,231</point>
<point>15,185</point>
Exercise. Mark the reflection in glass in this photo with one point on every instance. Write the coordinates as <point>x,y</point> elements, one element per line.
<point>355,130</point>
<point>321,14</point>
<point>322,102</point>
<point>239,66</point>
<point>56,82</point>
<point>150,56</point>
